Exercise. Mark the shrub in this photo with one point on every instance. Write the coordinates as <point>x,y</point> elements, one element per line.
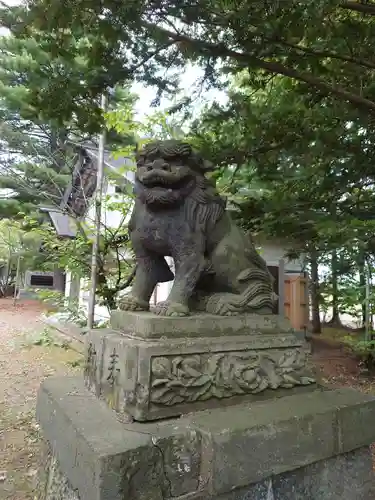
<point>364,350</point>
<point>57,302</point>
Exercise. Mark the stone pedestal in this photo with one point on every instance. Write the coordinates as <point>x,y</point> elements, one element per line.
<point>154,367</point>
<point>246,420</point>
<point>311,446</point>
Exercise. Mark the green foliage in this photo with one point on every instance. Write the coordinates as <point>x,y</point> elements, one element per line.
<point>364,350</point>
<point>31,62</point>
<point>17,248</point>
<point>159,125</point>
<point>57,302</point>
<point>60,252</point>
<point>300,171</point>
<point>14,240</point>
<point>40,160</point>
<point>76,363</point>
<point>74,255</point>
<point>309,42</point>
<point>45,338</point>
<point>37,158</point>
<point>36,164</point>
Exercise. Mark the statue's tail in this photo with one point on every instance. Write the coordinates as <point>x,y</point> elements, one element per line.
<point>258,293</point>
<point>257,296</point>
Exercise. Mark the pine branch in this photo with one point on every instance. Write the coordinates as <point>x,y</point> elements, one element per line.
<point>363,8</point>
<point>221,51</point>
<point>326,54</point>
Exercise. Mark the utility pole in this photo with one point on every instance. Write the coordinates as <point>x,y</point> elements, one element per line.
<point>16,287</point>
<point>97,226</point>
<point>369,319</point>
<point>367,305</point>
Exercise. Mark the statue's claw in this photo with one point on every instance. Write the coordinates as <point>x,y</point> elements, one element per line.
<point>131,303</point>
<point>171,309</point>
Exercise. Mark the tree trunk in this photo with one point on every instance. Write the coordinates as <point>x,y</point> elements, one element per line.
<point>362,286</point>
<point>314,293</point>
<point>371,310</point>
<point>335,320</point>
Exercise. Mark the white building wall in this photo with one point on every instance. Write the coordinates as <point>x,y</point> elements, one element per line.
<point>272,253</point>
<point>110,218</point>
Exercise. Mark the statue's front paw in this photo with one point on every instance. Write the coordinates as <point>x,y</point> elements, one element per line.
<point>171,309</point>
<point>131,303</point>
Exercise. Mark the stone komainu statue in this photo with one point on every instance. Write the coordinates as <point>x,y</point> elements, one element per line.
<point>179,213</point>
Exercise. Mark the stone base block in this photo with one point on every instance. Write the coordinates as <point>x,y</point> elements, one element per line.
<point>308,446</point>
<point>151,326</point>
<point>151,377</point>
<point>346,477</point>
<point>25,294</point>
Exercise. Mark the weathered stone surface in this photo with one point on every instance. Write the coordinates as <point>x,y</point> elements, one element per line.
<point>199,377</point>
<point>345,477</point>
<point>52,483</point>
<point>362,421</point>
<point>248,443</point>
<point>148,325</point>
<point>259,491</point>
<point>165,377</point>
<point>179,213</point>
<point>226,454</point>
<point>58,486</point>
<point>104,459</point>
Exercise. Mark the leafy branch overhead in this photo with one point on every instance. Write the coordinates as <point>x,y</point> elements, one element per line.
<point>309,42</point>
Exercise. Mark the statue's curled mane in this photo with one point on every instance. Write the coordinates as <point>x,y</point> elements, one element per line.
<point>175,149</point>
<point>204,206</point>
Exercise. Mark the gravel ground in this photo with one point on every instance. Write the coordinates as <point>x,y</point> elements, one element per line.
<point>23,366</point>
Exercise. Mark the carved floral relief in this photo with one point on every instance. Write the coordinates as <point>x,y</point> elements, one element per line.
<point>199,377</point>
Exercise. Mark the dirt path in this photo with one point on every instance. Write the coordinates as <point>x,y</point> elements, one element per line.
<point>23,365</point>
<point>339,367</point>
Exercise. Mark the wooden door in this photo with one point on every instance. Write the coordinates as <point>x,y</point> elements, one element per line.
<point>296,304</point>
